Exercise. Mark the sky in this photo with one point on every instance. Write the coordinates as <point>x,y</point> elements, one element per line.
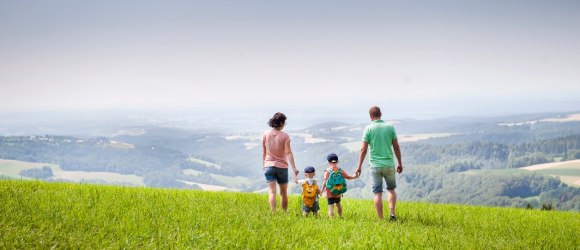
<point>427,56</point>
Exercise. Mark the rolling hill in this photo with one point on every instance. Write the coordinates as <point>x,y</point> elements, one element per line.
<point>58,215</point>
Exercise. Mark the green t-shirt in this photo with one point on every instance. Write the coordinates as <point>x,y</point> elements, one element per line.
<point>380,135</point>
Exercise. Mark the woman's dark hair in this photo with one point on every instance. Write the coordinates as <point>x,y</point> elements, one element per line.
<point>278,120</point>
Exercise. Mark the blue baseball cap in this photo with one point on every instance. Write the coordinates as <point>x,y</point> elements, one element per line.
<point>332,157</point>
<point>309,169</point>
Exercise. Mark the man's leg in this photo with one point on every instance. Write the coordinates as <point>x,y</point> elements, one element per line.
<point>377,174</point>
<point>379,204</point>
<point>392,197</point>
<point>284,195</point>
<point>272,194</point>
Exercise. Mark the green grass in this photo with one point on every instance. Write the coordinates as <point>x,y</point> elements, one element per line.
<point>43,215</point>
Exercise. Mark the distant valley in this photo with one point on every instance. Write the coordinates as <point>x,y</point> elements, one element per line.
<point>483,161</point>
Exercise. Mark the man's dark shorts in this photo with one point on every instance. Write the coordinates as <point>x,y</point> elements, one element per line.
<point>333,200</point>
<point>276,174</point>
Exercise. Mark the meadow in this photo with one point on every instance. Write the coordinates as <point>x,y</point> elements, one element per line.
<point>35,214</point>
<point>12,168</point>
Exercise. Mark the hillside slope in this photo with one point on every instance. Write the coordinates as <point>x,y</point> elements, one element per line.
<point>44,215</point>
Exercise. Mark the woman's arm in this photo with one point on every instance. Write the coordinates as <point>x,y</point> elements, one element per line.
<point>263,153</point>
<point>290,157</point>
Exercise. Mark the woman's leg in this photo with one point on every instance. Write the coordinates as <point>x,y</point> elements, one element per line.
<point>284,196</point>
<point>272,195</point>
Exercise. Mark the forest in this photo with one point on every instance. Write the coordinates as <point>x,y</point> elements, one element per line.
<point>478,166</point>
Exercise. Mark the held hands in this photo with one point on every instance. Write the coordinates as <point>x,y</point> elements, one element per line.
<point>357,172</point>
<point>296,175</point>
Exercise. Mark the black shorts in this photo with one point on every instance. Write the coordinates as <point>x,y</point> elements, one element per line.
<point>333,200</point>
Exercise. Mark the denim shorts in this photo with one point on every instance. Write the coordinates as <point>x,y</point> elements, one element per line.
<point>386,173</point>
<point>276,174</point>
<point>315,207</point>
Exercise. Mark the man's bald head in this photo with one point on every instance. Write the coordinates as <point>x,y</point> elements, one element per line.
<point>375,112</point>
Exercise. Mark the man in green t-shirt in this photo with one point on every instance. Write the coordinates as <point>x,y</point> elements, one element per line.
<point>382,139</point>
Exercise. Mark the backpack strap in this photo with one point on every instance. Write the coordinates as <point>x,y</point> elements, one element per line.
<point>329,170</point>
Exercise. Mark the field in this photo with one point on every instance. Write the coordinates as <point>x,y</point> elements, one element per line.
<point>567,171</point>
<point>568,118</point>
<point>238,180</point>
<point>354,146</point>
<point>44,215</point>
<point>11,168</point>
<point>205,163</point>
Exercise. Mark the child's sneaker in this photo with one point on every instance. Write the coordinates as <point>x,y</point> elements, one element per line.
<point>393,217</point>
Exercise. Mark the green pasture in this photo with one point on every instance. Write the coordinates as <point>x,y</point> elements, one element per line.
<point>12,168</point>
<point>232,180</point>
<point>42,215</point>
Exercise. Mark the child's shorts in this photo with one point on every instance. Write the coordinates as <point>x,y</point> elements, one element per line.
<point>332,201</point>
<point>315,207</point>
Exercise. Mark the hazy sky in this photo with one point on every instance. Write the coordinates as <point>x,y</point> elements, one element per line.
<point>193,54</point>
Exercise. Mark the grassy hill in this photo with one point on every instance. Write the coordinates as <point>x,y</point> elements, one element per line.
<point>37,214</point>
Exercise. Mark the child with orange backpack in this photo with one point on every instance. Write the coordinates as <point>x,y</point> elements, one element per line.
<point>335,184</point>
<point>310,193</point>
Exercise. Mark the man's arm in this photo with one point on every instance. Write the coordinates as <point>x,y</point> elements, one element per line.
<point>397,150</point>
<point>361,157</point>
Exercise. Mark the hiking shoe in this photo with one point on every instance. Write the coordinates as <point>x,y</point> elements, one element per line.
<point>393,218</point>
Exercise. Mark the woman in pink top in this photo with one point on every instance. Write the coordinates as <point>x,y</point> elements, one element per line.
<point>276,155</point>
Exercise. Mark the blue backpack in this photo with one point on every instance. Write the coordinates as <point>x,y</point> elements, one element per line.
<point>336,183</point>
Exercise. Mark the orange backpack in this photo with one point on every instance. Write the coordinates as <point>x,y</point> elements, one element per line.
<point>309,193</point>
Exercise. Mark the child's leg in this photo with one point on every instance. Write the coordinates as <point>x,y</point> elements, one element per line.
<point>331,210</point>
<point>339,208</point>
<point>315,208</point>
